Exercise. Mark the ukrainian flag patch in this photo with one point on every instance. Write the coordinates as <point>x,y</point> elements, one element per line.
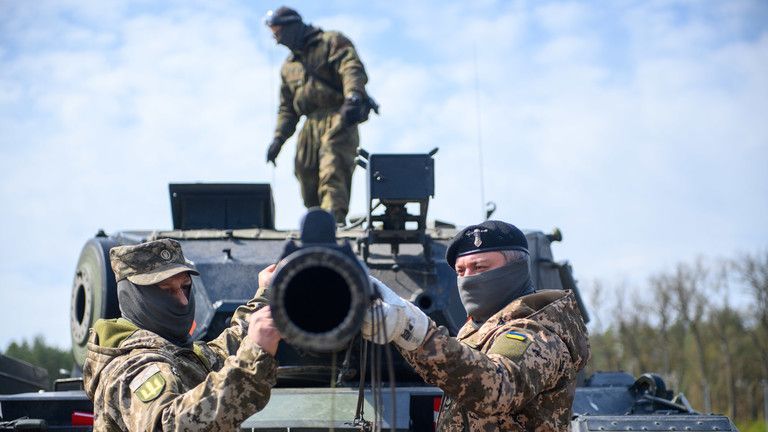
<point>511,345</point>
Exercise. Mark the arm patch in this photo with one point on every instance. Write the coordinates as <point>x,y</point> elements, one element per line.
<point>149,384</point>
<point>511,345</point>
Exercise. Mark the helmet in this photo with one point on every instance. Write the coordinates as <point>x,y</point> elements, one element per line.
<point>282,16</point>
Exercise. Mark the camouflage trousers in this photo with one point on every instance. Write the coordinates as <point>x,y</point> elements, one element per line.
<point>325,161</point>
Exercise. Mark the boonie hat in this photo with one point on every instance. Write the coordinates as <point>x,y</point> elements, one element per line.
<point>149,263</point>
<point>488,236</point>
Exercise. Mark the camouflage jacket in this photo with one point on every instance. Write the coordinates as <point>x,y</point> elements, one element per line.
<point>516,372</point>
<point>139,381</point>
<point>331,56</point>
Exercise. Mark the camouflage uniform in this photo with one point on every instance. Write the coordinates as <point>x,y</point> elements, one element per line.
<point>326,150</point>
<point>139,381</point>
<point>515,372</point>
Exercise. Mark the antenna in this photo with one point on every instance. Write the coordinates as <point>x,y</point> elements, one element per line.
<point>271,60</point>
<point>272,93</point>
<point>479,134</point>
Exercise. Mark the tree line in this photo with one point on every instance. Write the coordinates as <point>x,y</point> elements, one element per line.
<point>37,352</point>
<point>703,326</point>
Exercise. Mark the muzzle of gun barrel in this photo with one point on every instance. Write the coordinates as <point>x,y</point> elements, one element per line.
<point>319,297</point>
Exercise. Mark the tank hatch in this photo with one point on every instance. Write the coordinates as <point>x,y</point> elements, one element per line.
<point>221,206</point>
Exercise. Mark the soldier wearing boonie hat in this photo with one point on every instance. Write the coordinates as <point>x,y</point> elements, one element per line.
<point>513,364</point>
<point>142,370</point>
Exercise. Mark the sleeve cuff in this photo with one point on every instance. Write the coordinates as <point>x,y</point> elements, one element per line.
<point>255,365</point>
<point>250,350</point>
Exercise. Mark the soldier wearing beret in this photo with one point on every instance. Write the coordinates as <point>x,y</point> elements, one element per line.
<point>323,80</point>
<point>142,371</point>
<point>513,365</point>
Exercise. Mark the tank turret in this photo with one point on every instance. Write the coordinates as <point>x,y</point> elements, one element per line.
<point>228,232</point>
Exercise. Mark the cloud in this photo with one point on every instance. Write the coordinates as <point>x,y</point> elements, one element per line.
<point>637,129</point>
<point>562,18</point>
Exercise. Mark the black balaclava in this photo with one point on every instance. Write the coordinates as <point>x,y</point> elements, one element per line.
<point>486,293</point>
<point>293,36</point>
<point>293,31</point>
<point>154,309</point>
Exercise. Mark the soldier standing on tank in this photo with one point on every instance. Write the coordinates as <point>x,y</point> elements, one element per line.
<point>324,80</point>
<point>513,364</point>
<point>142,371</point>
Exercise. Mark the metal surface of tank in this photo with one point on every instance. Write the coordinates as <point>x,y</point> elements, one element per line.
<point>229,259</point>
<point>398,246</point>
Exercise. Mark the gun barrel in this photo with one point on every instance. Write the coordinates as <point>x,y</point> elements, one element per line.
<point>319,296</point>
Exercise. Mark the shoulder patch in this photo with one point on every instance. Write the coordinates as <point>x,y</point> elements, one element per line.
<point>149,384</point>
<point>516,336</point>
<point>511,345</point>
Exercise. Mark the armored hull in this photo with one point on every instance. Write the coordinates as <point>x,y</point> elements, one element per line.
<point>227,231</point>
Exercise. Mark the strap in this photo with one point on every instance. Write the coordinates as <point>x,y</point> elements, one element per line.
<point>199,353</point>
<point>372,105</point>
<point>311,72</point>
<point>359,421</point>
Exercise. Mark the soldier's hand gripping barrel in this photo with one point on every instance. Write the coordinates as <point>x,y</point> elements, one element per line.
<point>320,291</point>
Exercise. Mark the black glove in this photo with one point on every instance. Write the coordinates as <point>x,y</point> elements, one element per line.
<point>273,151</point>
<point>352,110</point>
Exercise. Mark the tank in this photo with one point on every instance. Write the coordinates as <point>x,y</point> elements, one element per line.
<point>227,231</point>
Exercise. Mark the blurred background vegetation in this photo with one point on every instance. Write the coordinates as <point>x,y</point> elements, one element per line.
<point>38,353</point>
<point>703,326</point>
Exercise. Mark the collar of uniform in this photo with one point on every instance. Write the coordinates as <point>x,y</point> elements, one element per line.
<point>473,335</point>
<point>314,36</point>
<point>112,332</point>
<point>530,304</point>
<point>474,332</point>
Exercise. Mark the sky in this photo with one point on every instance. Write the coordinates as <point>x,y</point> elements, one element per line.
<point>636,127</point>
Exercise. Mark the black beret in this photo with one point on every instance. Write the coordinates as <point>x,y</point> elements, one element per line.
<point>488,236</point>
<point>282,16</point>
